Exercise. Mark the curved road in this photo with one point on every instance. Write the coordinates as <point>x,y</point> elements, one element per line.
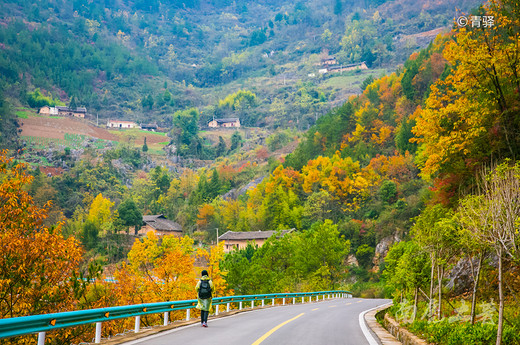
<point>328,322</point>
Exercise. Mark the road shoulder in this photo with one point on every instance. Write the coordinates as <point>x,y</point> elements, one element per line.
<point>384,336</point>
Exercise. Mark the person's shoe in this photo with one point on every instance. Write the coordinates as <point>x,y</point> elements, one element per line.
<point>204,324</point>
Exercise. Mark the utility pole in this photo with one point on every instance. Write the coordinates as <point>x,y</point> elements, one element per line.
<point>217,236</point>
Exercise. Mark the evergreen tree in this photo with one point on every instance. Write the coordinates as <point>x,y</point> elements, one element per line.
<point>145,146</point>
<point>73,103</point>
<point>221,147</point>
<point>236,141</point>
<point>214,185</point>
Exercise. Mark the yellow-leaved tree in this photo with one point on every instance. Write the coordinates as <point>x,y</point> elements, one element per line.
<point>470,115</point>
<point>158,270</point>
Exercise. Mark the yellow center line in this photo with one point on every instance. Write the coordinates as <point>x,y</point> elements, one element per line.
<point>359,301</point>
<point>348,303</point>
<point>332,306</point>
<point>315,309</point>
<point>264,337</point>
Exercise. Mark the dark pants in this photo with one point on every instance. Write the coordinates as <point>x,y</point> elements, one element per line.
<point>204,316</point>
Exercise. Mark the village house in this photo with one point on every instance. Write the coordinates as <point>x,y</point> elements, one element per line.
<point>228,122</point>
<point>159,225</point>
<point>63,111</point>
<point>344,68</point>
<point>121,124</point>
<point>149,127</point>
<point>238,240</point>
<point>329,61</point>
<point>76,112</point>
<point>48,111</point>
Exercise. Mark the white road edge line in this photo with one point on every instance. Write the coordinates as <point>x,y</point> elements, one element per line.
<point>364,327</point>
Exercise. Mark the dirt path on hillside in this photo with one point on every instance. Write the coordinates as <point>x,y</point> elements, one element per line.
<point>46,127</point>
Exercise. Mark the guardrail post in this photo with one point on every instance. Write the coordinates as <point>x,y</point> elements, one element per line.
<point>303,299</point>
<point>252,304</point>
<point>137,323</point>
<point>97,339</point>
<point>323,297</point>
<point>263,303</point>
<point>294,300</point>
<point>165,318</point>
<point>283,301</point>
<point>273,301</point>
<point>227,307</point>
<point>41,338</point>
<point>310,299</point>
<point>216,309</point>
<point>188,314</point>
<point>240,306</point>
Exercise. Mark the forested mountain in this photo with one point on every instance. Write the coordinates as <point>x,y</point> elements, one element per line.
<point>408,189</point>
<point>144,60</point>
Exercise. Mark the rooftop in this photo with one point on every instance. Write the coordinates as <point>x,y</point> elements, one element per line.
<point>76,110</point>
<point>159,222</point>
<point>226,120</point>
<point>252,235</point>
<point>121,121</point>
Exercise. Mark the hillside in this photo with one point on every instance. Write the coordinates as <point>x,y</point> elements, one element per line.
<point>143,61</point>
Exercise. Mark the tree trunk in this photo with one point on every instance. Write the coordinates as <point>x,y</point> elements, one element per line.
<point>476,278</point>
<point>430,303</point>
<point>415,303</point>
<point>440,271</point>
<point>500,298</point>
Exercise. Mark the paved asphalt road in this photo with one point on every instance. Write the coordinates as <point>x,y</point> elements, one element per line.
<point>325,322</point>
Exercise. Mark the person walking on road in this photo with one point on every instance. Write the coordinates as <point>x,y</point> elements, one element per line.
<point>204,293</point>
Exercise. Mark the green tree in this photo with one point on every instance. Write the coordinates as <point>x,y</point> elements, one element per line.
<point>145,146</point>
<point>407,269</point>
<point>364,255</point>
<point>320,252</point>
<point>388,191</point>
<point>147,102</point>
<point>221,147</point>
<point>73,103</point>
<point>89,237</point>
<point>186,128</point>
<point>236,141</point>
<point>130,214</point>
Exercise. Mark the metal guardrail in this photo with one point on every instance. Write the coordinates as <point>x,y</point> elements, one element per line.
<point>41,324</point>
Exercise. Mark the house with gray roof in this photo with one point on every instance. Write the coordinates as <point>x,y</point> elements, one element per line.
<point>235,240</point>
<point>231,122</point>
<point>160,225</point>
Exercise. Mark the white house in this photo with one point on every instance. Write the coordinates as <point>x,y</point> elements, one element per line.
<point>49,111</point>
<point>121,124</point>
<point>228,122</point>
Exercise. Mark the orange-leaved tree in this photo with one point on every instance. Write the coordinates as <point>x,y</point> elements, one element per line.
<point>37,264</point>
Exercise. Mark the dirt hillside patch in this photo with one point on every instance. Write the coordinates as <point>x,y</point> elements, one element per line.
<point>46,127</point>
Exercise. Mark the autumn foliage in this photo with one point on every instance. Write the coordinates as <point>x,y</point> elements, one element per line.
<point>37,262</point>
